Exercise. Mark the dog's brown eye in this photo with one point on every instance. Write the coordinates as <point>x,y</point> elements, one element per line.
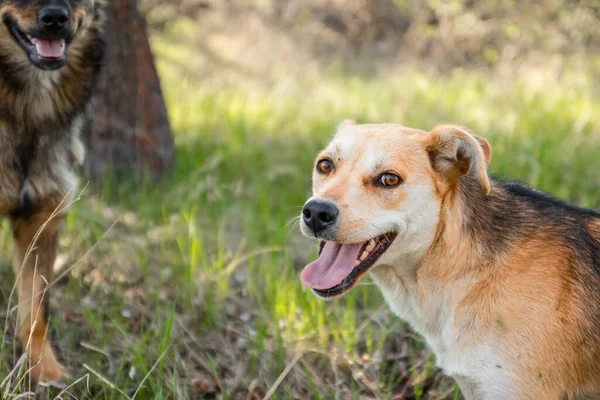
<point>389,180</point>
<point>325,166</point>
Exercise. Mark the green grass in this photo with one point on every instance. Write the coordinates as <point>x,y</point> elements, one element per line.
<point>189,288</point>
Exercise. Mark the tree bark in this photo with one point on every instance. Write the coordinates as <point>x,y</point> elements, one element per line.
<point>130,130</point>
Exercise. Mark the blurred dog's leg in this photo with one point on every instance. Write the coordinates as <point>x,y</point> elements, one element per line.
<point>36,242</point>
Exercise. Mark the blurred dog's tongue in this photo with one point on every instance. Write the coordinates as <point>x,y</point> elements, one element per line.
<point>49,48</point>
<point>333,265</point>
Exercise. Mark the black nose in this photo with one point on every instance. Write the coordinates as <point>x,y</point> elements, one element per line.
<point>53,18</point>
<point>319,214</point>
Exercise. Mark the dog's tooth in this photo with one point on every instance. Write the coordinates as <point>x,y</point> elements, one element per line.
<point>370,246</point>
<point>356,263</point>
<point>364,255</point>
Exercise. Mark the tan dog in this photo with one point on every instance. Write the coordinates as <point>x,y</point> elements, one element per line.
<point>502,281</point>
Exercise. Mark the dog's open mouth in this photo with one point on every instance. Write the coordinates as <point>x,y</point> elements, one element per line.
<point>340,266</point>
<point>44,52</point>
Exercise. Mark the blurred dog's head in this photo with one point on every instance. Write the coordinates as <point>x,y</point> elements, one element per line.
<point>378,191</point>
<point>40,32</point>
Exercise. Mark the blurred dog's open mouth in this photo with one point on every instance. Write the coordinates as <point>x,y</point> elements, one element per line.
<point>340,266</point>
<point>50,52</point>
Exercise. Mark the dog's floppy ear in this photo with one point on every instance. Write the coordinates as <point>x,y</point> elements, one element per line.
<point>345,123</point>
<point>455,151</point>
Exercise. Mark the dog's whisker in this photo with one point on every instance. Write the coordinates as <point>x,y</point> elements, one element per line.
<point>296,223</point>
<point>292,220</point>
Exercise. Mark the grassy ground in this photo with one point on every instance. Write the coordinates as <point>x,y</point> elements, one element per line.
<point>189,288</point>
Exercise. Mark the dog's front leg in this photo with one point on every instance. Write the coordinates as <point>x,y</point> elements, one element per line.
<point>36,242</point>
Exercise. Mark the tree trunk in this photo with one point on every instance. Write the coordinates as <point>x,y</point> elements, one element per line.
<point>130,126</point>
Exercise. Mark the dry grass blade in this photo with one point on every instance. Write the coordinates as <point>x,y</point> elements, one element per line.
<point>105,381</point>
<point>6,382</point>
<point>96,349</point>
<point>282,376</point>
<point>239,259</point>
<point>24,395</point>
<point>150,372</point>
<point>86,254</point>
<point>65,390</point>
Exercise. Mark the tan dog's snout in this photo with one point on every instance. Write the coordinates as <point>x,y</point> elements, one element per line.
<point>320,217</point>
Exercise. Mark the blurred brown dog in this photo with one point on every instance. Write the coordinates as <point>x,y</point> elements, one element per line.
<point>501,280</point>
<point>50,54</point>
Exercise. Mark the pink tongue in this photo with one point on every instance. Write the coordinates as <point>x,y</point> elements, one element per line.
<point>50,48</point>
<point>333,265</point>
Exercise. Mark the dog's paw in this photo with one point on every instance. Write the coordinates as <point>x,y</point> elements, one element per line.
<point>47,371</point>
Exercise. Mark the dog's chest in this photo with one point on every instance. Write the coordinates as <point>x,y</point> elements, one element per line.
<point>457,353</point>
<point>38,172</point>
<point>479,363</point>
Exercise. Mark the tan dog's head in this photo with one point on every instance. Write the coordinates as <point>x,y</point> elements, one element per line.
<point>377,195</point>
